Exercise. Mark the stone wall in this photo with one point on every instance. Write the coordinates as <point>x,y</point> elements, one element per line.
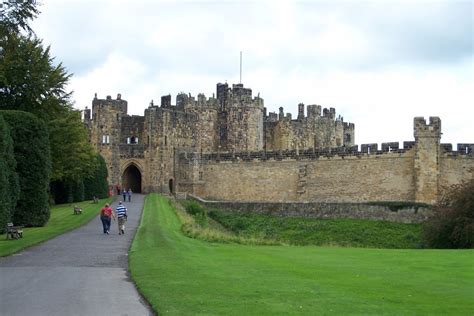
<point>383,177</point>
<point>324,210</point>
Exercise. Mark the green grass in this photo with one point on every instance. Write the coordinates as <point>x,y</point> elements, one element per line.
<point>61,221</point>
<point>310,231</point>
<point>184,276</point>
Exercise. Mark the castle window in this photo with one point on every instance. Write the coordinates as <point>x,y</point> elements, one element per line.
<point>166,140</point>
<point>239,116</point>
<point>133,140</point>
<point>128,140</point>
<point>348,138</point>
<point>223,133</point>
<point>105,139</point>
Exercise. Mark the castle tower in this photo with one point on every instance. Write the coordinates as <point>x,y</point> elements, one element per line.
<point>244,120</point>
<point>105,132</point>
<point>427,140</point>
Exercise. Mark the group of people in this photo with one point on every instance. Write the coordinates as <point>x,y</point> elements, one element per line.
<point>107,214</point>
<point>127,194</point>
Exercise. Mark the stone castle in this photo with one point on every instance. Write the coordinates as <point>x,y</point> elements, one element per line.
<point>227,147</point>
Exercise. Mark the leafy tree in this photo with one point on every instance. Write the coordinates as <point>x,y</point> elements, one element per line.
<point>29,81</point>
<point>452,225</point>
<point>96,185</point>
<point>32,152</point>
<point>72,155</point>
<point>9,186</point>
<point>14,15</point>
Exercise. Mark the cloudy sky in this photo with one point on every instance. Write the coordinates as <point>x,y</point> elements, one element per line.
<point>379,64</point>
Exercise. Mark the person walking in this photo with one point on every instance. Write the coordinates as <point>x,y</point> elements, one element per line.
<point>129,195</point>
<point>106,216</point>
<point>124,194</point>
<point>121,211</point>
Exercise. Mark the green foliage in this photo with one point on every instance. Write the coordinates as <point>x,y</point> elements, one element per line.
<point>452,225</point>
<point>9,185</point>
<point>72,155</point>
<point>210,230</point>
<point>183,276</point>
<point>197,211</point>
<point>28,79</point>
<point>96,185</point>
<point>14,15</point>
<point>310,231</point>
<point>77,191</point>
<point>31,150</point>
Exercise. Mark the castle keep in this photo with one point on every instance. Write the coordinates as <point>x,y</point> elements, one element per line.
<point>227,147</point>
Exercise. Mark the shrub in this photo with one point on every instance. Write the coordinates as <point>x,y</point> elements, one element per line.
<point>197,211</point>
<point>97,185</point>
<point>32,154</point>
<point>452,225</point>
<point>9,186</point>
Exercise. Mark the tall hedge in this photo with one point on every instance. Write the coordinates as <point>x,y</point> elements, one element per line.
<point>31,150</point>
<point>97,184</point>
<point>9,186</point>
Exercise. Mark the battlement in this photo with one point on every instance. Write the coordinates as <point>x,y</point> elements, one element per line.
<point>117,104</point>
<point>422,129</point>
<point>236,96</point>
<point>311,154</point>
<point>313,111</point>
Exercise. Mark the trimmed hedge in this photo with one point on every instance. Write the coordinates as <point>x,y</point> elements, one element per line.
<point>9,186</point>
<point>32,153</point>
<point>97,184</point>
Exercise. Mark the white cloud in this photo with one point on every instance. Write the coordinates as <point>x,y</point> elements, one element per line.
<point>378,64</point>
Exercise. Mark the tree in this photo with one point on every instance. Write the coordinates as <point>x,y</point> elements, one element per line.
<point>72,155</point>
<point>452,225</point>
<point>14,15</point>
<point>9,186</point>
<point>96,185</point>
<point>32,152</point>
<point>29,81</point>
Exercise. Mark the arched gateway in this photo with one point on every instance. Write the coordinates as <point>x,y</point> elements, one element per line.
<point>132,178</point>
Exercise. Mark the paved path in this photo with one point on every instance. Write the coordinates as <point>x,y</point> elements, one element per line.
<point>83,272</point>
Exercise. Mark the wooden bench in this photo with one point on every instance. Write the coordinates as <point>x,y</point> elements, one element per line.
<point>77,210</point>
<point>14,232</point>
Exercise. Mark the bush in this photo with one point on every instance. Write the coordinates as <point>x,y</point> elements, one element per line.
<point>97,184</point>
<point>32,154</point>
<point>452,225</point>
<point>197,211</point>
<point>9,186</point>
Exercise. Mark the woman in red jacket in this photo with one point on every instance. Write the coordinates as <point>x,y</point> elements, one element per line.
<point>106,215</point>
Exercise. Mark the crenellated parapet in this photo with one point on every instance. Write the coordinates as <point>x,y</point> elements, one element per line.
<point>318,129</point>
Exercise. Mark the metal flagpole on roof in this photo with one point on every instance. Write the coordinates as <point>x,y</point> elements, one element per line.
<point>240,66</point>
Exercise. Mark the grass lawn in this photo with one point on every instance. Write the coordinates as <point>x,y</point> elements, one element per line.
<point>61,221</point>
<point>183,276</point>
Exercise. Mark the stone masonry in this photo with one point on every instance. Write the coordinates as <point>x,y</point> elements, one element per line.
<point>227,147</point>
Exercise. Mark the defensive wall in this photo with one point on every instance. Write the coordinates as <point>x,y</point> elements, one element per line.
<point>417,172</point>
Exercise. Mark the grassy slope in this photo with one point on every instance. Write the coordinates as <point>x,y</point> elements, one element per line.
<point>61,221</point>
<point>311,231</point>
<point>184,276</point>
